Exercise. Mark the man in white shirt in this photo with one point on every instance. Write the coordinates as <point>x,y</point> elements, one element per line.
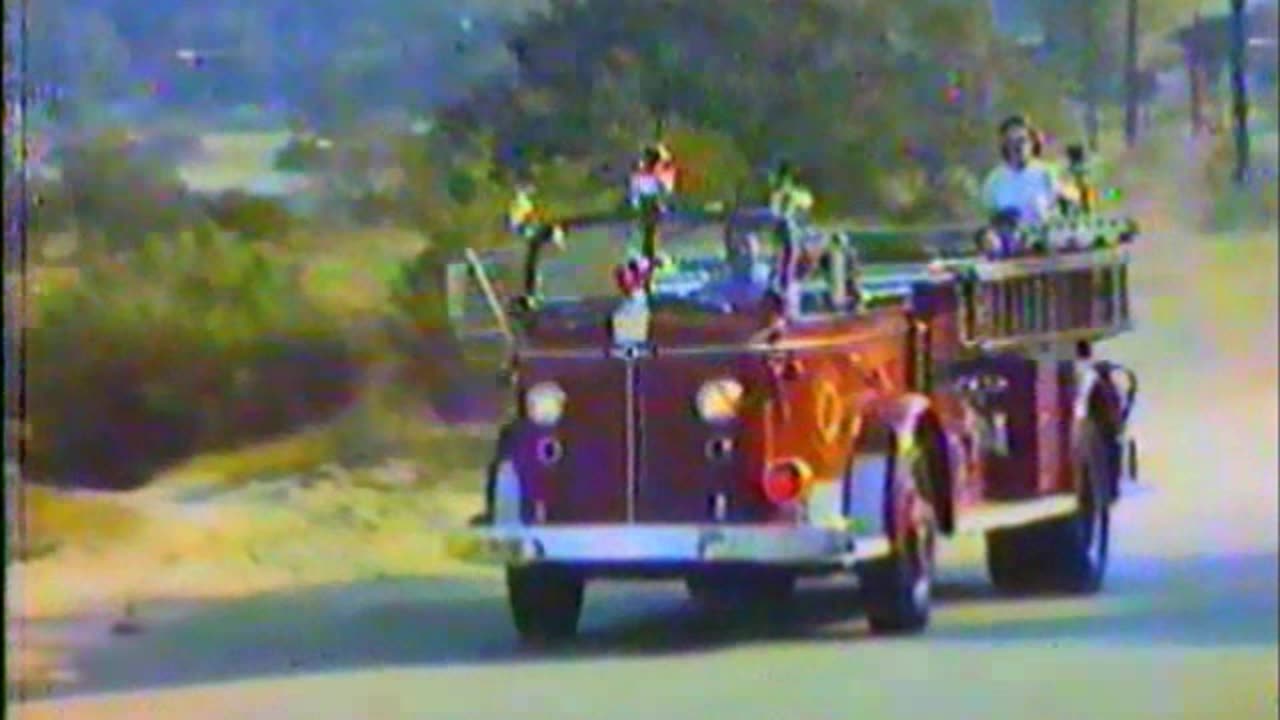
<point>654,176</point>
<point>1022,181</point>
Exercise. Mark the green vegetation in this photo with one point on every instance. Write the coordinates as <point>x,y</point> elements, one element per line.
<point>1251,206</point>
<point>182,344</point>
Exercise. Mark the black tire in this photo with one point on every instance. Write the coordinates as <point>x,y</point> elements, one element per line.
<point>742,591</point>
<point>1068,554</point>
<point>897,590</point>
<point>546,603</point>
<point>1015,558</point>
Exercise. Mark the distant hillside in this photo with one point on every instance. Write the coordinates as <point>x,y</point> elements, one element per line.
<point>321,59</point>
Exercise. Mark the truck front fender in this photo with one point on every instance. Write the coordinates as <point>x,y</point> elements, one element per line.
<point>890,428</point>
<point>1104,394</point>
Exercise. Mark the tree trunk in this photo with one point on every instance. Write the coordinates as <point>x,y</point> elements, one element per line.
<point>1195,87</point>
<point>1240,99</point>
<point>1131,75</point>
<point>1092,122</point>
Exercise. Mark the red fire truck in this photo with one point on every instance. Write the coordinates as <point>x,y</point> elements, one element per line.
<point>759,401</point>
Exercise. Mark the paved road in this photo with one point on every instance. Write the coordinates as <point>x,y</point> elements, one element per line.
<point>1187,627</point>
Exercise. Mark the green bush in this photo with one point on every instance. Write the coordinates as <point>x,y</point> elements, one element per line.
<point>48,208</point>
<point>303,153</point>
<point>1248,206</point>
<point>187,344</point>
<point>252,217</point>
<point>119,192</point>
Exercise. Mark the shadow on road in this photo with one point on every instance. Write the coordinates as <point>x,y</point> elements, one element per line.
<point>1202,601</point>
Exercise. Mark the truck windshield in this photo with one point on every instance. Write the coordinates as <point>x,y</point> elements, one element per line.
<point>710,259</point>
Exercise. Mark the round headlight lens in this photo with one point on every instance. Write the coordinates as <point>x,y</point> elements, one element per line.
<point>544,403</point>
<point>719,400</point>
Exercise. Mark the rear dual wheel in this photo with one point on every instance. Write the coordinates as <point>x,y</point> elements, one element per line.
<point>1067,554</point>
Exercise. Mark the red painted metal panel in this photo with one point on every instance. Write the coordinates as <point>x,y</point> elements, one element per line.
<point>589,483</point>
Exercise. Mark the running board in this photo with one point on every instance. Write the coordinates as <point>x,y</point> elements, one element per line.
<point>994,515</point>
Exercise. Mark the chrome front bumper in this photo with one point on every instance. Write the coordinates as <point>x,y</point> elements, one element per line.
<point>662,544</point>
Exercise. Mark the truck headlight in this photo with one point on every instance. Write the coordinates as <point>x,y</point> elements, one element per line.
<point>718,401</point>
<point>544,403</point>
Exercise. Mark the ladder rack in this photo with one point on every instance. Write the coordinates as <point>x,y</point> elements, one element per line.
<point>1005,305</point>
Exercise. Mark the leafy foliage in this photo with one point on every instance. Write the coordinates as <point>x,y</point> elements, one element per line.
<point>249,216</point>
<point>120,193</point>
<point>1248,206</point>
<point>186,343</point>
<point>854,93</point>
<point>327,61</point>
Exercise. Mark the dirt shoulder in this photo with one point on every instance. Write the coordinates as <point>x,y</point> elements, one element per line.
<point>202,542</point>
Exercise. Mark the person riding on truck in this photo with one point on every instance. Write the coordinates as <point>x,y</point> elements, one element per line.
<point>787,197</point>
<point>1023,183</point>
<point>654,176</point>
<point>650,189</point>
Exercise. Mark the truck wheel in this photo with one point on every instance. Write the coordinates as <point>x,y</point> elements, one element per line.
<point>546,603</point>
<point>897,590</point>
<point>1078,545</point>
<point>1014,558</point>
<point>749,591</point>
<point>1066,554</point>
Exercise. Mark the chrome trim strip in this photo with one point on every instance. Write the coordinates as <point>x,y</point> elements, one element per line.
<point>1014,513</point>
<point>1049,338</point>
<point>656,544</point>
<point>491,297</point>
<point>630,420</point>
<point>755,347</point>
<point>1025,266</point>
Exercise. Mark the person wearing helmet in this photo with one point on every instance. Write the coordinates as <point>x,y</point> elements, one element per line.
<point>748,273</point>
<point>791,204</point>
<point>787,197</point>
<point>1023,186</point>
<point>522,211</point>
<point>651,187</point>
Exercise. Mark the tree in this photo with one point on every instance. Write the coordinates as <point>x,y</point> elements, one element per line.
<point>93,173</point>
<point>846,89</point>
<point>1084,39</point>
<point>77,60</point>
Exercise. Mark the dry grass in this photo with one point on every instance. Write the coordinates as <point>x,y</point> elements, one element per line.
<point>48,520</point>
<point>297,453</point>
<point>351,274</point>
<point>385,423</point>
<point>273,516</point>
<point>339,530</point>
<point>31,672</point>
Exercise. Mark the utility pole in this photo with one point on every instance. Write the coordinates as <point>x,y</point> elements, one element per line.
<point>1239,93</point>
<point>1131,75</point>
<point>1091,69</point>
